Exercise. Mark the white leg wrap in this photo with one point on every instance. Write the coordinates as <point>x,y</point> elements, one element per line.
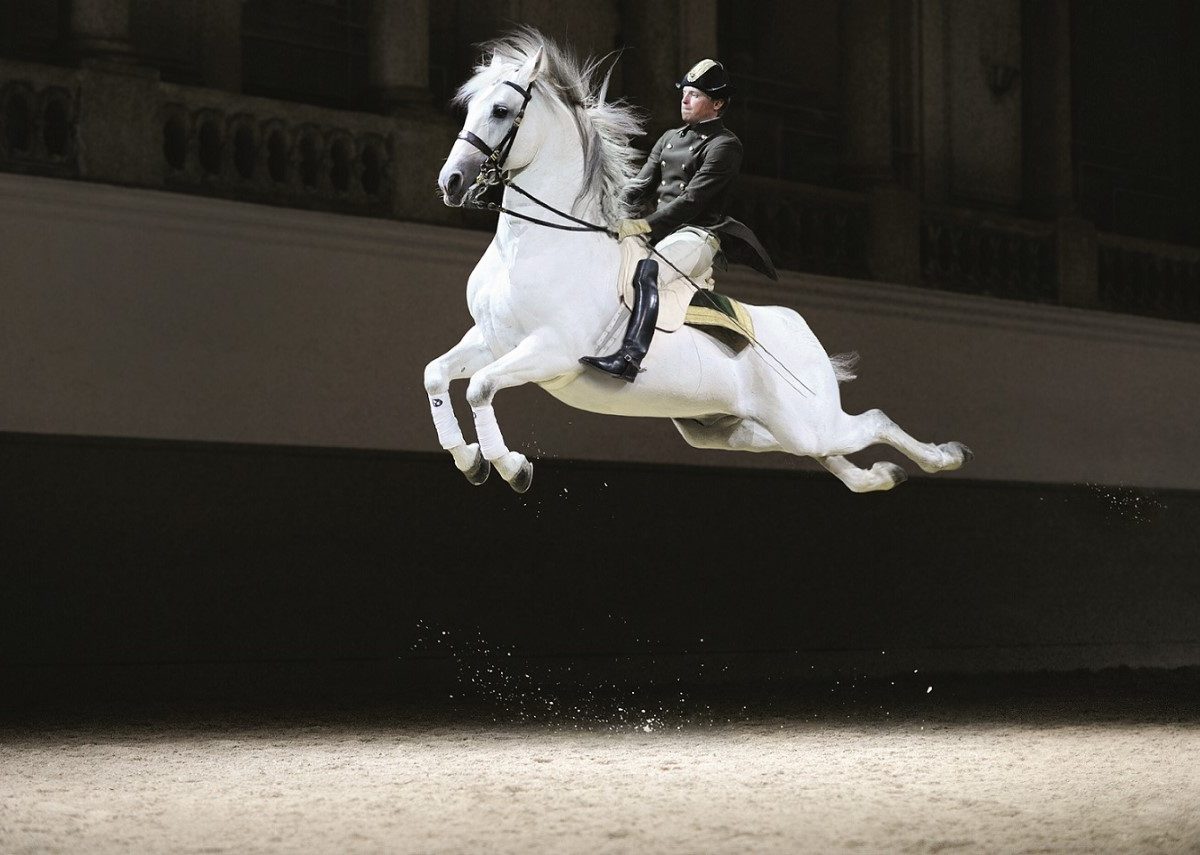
<point>491,442</point>
<point>448,431</point>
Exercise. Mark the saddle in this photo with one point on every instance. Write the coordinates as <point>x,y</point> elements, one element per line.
<point>680,304</point>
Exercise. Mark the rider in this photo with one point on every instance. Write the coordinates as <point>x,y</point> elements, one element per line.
<point>688,174</point>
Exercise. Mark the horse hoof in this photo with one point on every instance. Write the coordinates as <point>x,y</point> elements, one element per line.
<point>963,452</point>
<point>479,473</point>
<point>887,476</point>
<point>479,468</point>
<point>523,479</point>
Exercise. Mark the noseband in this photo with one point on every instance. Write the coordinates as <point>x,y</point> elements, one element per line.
<point>489,173</point>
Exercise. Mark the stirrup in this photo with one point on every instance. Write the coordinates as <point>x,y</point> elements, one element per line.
<point>620,364</point>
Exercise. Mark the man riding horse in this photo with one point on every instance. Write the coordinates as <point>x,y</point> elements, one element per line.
<point>689,175</point>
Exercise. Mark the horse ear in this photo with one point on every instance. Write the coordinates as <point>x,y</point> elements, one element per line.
<point>496,60</point>
<point>535,65</point>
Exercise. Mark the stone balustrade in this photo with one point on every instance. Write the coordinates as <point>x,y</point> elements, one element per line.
<point>814,229</point>
<point>1145,277</point>
<point>39,109</point>
<point>250,148</point>
<point>976,253</point>
<point>208,141</point>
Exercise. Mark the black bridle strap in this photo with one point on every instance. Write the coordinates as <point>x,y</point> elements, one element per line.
<point>585,227</point>
<point>525,93</point>
<point>467,136</point>
<point>499,154</point>
<point>592,227</point>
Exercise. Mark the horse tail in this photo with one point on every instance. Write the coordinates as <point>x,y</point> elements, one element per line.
<point>844,365</point>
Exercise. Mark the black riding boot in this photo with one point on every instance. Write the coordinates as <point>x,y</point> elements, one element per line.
<point>627,361</point>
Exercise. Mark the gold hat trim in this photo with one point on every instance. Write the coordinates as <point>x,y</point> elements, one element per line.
<point>699,69</point>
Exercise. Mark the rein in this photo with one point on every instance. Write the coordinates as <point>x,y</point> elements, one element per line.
<point>584,225</point>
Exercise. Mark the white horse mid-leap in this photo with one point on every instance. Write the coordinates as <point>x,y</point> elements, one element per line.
<point>541,298</point>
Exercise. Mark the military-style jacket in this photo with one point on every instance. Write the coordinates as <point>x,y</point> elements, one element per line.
<point>689,175</point>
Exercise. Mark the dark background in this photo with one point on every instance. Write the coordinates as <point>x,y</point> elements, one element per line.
<point>318,567</point>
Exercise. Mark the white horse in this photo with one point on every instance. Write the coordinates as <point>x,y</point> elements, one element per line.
<point>541,298</point>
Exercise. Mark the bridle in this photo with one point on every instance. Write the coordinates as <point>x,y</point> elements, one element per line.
<point>492,173</point>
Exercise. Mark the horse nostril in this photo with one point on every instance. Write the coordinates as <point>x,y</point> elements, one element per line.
<point>454,182</point>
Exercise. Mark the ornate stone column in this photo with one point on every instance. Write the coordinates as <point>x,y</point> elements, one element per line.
<point>663,41</point>
<point>935,85</point>
<point>398,54</point>
<point>99,29</point>
<point>697,32</point>
<point>894,221</point>
<point>1047,160</point>
<point>867,90</point>
<point>651,37</point>
<point>221,44</point>
<point>118,138</point>
<point>1047,91</point>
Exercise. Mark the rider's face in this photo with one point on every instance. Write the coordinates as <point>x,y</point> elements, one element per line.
<point>695,106</point>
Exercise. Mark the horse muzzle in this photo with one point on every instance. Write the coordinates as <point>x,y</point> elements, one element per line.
<point>456,182</point>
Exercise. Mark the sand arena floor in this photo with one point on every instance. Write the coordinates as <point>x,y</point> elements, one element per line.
<point>1057,773</point>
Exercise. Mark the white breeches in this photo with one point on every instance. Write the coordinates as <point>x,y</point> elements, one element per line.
<point>690,249</point>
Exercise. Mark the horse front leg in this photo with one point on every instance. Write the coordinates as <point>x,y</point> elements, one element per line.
<point>459,362</point>
<point>529,362</point>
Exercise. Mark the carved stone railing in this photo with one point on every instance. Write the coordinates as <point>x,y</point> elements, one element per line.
<point>124,126</point>
<point>39,114</point>
<point>977,253</point>
<point>263,150</point>
<point>806,228</point>
<point>1146,277</point>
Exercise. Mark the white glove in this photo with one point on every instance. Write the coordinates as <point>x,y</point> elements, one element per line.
<point>629,228</point>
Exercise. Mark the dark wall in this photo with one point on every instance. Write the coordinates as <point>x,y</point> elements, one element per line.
<point>132,551</point>
<point>1134,69</point>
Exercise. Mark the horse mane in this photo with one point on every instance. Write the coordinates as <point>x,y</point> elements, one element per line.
<point>605,127</point>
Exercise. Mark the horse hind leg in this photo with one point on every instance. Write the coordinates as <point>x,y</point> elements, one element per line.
<point>874,427</point>
<point>731,433</point>
<point>798,437</point>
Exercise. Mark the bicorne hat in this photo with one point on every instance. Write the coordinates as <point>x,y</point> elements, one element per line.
<point>710,77</point>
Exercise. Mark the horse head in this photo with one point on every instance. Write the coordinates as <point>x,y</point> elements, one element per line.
<point>503,129</point>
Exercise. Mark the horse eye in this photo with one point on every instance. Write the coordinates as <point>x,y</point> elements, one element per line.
<point>499,111</point>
